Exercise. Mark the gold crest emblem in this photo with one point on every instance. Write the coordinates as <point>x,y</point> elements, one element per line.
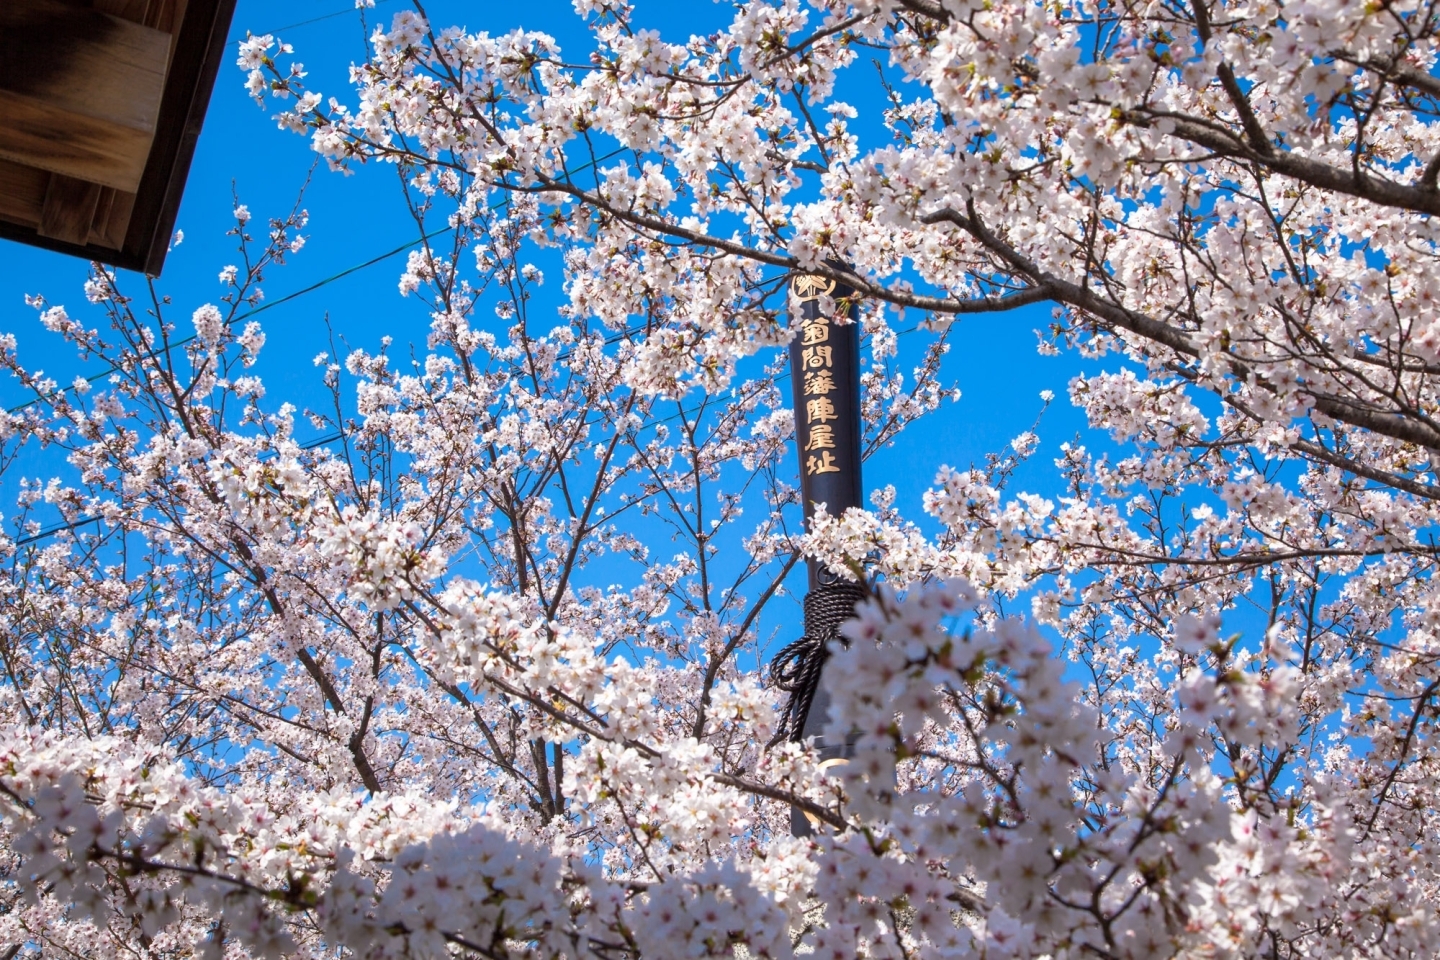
<point>808,287</point>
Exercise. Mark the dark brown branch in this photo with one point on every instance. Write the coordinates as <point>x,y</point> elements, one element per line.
<point>1286,163</point>
<point>1395,426</point>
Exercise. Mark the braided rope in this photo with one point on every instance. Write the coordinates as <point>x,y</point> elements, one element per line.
<point>796,668</point>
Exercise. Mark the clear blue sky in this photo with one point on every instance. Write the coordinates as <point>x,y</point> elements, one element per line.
<point>353,219</point>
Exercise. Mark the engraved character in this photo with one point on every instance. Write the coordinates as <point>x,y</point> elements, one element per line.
<point>819,410</point>
<point>815,357</point>
<point>819,383</point>
<point>822,437</point>
<point>824,463</point>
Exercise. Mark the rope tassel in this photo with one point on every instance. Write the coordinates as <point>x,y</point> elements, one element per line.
<point>796,668</point>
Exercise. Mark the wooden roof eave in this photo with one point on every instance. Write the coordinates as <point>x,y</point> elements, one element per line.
<point>45,202</point>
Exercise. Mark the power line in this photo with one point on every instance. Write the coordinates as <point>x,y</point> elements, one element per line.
<point>246,316</point>
<point>299,293</point>
<point>328,16</point>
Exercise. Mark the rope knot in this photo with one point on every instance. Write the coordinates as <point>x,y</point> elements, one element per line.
<point>796,668</point>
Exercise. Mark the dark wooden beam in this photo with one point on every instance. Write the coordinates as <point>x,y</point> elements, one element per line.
<point>132,10</point>
<point>80,91</point>
<point>199,53</point>
<point>69,209</point>
<point>101,104</point>
<point>22,193</point>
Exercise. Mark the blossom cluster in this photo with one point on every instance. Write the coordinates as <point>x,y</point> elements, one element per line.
<point>466,657</point>
<point>986,810</point>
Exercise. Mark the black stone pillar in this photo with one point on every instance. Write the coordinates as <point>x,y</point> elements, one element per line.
<point>825,377</point>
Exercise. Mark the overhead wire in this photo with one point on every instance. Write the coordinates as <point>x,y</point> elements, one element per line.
<point>295,294</point>
<point>75,524</point>
<point>327,16</point>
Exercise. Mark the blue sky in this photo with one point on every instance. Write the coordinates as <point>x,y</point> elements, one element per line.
<point>354,219</point>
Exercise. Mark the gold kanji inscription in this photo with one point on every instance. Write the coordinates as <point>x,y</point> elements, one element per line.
<point>819,410</point>
<point>819,383</point>
<point>824,462</point>
<point>822,437</point>
<point>813,357</point>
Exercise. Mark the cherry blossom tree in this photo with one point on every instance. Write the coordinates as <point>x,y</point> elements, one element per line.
<point>474,669</point>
